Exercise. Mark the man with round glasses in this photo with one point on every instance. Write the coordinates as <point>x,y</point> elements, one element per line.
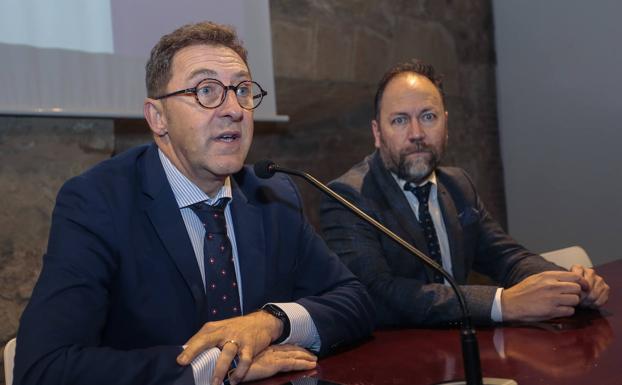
<point>174,263</point>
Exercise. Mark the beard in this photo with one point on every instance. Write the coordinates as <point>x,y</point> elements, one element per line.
<point>412,169</point>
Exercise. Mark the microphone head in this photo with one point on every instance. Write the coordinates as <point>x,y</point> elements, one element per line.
<point>264,168</point>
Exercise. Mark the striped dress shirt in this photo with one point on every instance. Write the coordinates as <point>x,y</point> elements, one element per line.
<point>302,329</point>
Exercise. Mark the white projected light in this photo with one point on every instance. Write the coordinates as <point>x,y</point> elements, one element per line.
<point>87,58</point>
<point>68,24</point>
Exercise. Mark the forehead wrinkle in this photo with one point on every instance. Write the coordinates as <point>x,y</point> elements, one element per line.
<point>209,61</point>
<point>203,72</point>
<point>411,104</point>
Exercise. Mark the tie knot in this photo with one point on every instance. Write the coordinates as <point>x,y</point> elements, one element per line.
<point>421,192</point>
<point>204,206</point>
<point>212,216</point>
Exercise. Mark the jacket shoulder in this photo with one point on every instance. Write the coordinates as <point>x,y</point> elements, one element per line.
<point>458,182</point>
<point>118,164</point>
<point>454,176</point>
<point>112,176</point>
<point>356,176</point>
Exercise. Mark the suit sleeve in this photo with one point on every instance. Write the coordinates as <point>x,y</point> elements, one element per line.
<point>59,337</point>
<point>498,255</point>
<point>399,301</point>
<point>338,303</point>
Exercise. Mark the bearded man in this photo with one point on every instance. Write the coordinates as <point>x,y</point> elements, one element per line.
<point>438,210</point>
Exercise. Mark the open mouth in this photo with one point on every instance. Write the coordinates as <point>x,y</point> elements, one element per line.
<point>228,137</point>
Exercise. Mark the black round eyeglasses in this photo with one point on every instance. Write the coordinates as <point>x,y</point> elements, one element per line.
<point>211,93</point>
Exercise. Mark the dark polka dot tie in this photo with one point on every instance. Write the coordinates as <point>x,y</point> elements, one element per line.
<point>425,219</point>
<point>223,300</point>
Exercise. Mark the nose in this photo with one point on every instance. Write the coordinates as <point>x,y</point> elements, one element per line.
<point>415,132</point>
<point>230,107</point>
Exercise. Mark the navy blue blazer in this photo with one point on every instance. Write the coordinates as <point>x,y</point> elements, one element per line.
<point>120,290</point>
<point>400,285</point>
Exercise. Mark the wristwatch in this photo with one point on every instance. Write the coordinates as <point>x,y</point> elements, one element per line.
<point>280,314</point>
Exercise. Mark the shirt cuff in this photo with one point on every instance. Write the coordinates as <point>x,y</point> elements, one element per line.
<point>496,313</point>
<point>302,328</point>
<point>203,366</point>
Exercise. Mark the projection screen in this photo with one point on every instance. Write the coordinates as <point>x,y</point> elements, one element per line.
<point>86,58</point>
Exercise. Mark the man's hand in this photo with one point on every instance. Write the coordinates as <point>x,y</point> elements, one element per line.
<point>242,336</point>
<point>597,292</point>
<point>280,358</point>
<point>542,296</point>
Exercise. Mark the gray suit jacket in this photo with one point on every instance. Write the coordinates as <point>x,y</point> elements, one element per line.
<point>399,283</point>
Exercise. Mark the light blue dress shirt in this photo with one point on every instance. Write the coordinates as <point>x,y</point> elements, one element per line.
<point>302,328</point>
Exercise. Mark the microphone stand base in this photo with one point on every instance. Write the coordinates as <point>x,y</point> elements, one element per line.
<point>485,381</point>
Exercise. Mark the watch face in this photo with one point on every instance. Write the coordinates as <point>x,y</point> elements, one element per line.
<point>275,311</point>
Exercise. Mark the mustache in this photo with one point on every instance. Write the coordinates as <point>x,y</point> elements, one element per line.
<point>417,147</point>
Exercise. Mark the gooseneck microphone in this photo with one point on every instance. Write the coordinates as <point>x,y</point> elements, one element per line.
<point>470,350</point>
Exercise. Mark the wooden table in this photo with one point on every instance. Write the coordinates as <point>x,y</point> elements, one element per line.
<point>585,349</point>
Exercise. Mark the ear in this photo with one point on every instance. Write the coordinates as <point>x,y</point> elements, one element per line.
<point>375,129</point>
<point>154,114</point>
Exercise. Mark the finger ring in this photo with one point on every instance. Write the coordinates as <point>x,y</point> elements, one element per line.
<point>236,343</point>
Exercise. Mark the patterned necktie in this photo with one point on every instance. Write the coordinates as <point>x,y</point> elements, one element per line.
<point>223,300</point>
<point>425,219</point>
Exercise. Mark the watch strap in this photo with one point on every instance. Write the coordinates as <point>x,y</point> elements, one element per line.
<point>280,314</point>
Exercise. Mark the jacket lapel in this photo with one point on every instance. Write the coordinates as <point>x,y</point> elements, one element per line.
<point>250,241</point>
<point>163,212</point>
<point>454,233</point>
<point>397,206</point>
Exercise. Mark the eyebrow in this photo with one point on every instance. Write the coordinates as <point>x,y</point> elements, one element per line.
<point>242,75</point>
<point>202,71</point>
<point>400,113</point>
<point>430,109</point>
<point>423,110</point>
<point>211,73</point>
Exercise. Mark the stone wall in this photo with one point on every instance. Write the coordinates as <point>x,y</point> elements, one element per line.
<point>36,156</point>
<point>328,58</point>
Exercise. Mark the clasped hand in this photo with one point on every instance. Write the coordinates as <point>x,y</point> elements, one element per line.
<point>553,294</point>
<point>597,293</point>
<point>248,337</point>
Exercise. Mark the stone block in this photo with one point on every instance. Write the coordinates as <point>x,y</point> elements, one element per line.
<point>371,55</point>
<point>299,11</point>
<point>307,101</point>
<point>334,53</point>
<point>478,84</point>
<point>293,50</point>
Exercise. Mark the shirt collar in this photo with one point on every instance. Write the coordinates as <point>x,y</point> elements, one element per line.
<point>401,182</point>
<point>187,193</point>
